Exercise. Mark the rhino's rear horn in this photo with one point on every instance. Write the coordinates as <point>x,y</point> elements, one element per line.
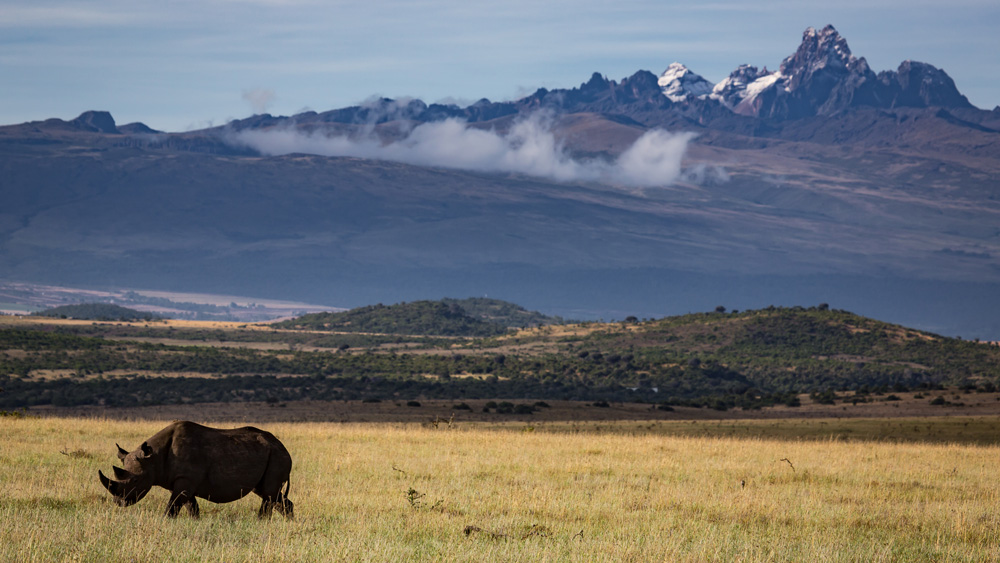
<point>122,474</point>
<point>121,452</point>
<point>113,487</point>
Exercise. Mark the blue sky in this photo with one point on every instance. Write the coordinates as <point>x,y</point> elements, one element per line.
<point>185,64</point>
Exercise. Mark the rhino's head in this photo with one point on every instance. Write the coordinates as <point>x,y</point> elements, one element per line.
<point>134,481</point>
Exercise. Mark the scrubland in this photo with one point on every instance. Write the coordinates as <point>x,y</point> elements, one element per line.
<point>559,492</point>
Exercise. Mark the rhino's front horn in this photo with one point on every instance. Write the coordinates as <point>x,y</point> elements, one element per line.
<point>113,487</point>
<point>122,474</point>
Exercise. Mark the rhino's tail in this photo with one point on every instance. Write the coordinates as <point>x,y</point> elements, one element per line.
<point>288,486</point>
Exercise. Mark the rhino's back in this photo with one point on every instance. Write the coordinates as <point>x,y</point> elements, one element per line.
<point>227,464</point>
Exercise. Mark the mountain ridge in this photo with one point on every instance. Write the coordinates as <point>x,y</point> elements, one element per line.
<point>822,77</point>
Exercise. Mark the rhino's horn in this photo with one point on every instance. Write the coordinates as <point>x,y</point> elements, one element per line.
<point>122,474</point>
<point>113,487</point>
<point>121,452</point>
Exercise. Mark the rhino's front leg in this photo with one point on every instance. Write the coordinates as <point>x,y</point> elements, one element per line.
<point>179,496</point>
<point>193,508</point>
<point>266,506</point>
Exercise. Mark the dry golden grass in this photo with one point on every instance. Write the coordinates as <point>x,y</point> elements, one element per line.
<point>564,495</point>
<point>16,321</point>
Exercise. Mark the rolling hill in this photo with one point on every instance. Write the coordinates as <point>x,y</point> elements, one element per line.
<point>476,317</point>
<point>97,312</point>
<point>746,359</point>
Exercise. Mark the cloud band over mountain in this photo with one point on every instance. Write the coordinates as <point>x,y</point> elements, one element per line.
<point>530,148</point>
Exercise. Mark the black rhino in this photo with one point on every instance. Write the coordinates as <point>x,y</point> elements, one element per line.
<point>194,461</point>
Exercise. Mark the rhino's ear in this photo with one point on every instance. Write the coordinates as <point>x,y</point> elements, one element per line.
<point>121,453</point>
<point>147,450</point>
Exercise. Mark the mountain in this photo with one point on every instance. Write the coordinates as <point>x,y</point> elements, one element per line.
<point>822,78</point>
<point>822,181</point>
<point>679,84</point>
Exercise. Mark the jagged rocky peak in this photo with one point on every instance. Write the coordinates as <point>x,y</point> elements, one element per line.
<point>736,87</point>
<point>596,82</point>
<point>679,84</point>
<point>821,49</point>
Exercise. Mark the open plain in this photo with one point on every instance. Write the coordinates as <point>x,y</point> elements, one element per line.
<point>613,491</point>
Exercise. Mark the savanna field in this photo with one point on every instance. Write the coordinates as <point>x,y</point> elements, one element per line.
<point>627,491</point>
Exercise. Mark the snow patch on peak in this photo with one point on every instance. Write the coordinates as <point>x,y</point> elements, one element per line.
<point>746,82</point>
<point>763,83</point>
<point>680,84</point>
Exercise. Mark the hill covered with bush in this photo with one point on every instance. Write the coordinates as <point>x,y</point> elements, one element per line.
<point>426,318</point>
<point>97,312</point>
<point>501,312</point>
<point>721,359</point>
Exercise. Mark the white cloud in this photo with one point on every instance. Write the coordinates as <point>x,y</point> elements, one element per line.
<point>654,159</point>
<point>530,147</point>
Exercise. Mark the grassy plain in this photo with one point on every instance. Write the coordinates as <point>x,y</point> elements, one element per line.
<point>628,491</point>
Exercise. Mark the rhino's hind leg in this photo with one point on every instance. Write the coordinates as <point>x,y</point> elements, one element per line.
<point>279,502</point>
<point>266,506</point>
<point>285,506</point>
<point>269,489</point>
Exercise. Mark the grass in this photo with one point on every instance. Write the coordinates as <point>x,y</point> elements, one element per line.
<point>968,430</point>
<point>557,492</point>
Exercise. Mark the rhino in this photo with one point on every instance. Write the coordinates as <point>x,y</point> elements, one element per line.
<point>194,461</point>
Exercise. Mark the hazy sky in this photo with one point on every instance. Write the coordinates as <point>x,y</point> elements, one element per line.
<point>184,64</point>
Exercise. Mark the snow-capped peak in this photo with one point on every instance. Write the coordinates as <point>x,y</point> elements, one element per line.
<point>819,49</point>
<point>679,84</point>
<point>743,83</point>
<point>821,77</point>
